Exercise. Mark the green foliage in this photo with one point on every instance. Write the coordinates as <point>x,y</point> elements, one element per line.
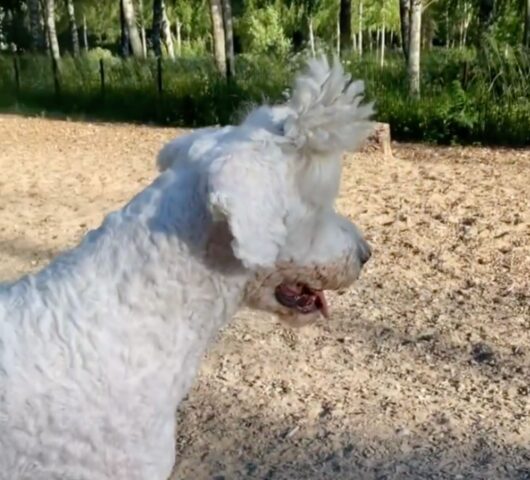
<point>465,98</point>
<point>474,91</point>
<point>102,18</point>
<point>262,31</point>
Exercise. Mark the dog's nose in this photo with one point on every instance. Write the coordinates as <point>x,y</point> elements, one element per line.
<point>365,252</point>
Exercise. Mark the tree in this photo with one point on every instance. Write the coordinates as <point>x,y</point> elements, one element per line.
<point>383,29</point>
<point>85,35</point>
<point>161,30</point>
<point>311,36</point>
<point>309,10</point>
<point>156,32</point>
<point>142,27</point>
<point>404,13</point>
<point>526,35</point>
<point>125,43</point>
<point>70,9</point>
<point>270,27</point>
<point>218,32</point>
<point>129,25</point>
<point>464,23</point>
<point>166,35</point>
<point>51,31</point>
<point>414,48</point>
<point>35,26</point>
<point>345,25</point>
<point>262,31</point>
<point>360,40</point>
<point>229,37</point>
<point>178,31</point>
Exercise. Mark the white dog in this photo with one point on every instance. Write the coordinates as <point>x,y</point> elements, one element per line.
<point>98,349</point>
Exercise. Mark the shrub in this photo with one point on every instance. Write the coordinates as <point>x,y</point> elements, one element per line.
<point>467,96</point>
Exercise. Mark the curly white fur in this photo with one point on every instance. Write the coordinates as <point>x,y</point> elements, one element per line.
<point>98,349</point>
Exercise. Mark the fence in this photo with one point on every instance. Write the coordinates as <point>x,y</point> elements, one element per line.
<point>187,92</point>
<point>462,100</point>
<point>55,71</point>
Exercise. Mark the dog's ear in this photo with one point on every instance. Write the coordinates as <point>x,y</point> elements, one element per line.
<point>247,190</point>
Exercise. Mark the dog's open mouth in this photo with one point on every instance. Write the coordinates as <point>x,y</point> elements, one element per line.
<point>302,298</point>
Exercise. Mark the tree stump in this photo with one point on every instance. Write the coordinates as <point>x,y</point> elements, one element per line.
<point>379,140</point>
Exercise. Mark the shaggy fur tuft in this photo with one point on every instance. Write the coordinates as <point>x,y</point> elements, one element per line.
<point>327,112</point>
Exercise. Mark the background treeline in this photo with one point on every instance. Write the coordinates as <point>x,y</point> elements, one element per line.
<point>439,70</point>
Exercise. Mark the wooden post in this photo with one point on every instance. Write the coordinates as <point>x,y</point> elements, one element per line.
<point>379,141</point>
<point>159,74</point>
<point>102,76</point>
<point>17,76</point>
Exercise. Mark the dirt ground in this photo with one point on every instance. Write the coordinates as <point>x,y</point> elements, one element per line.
<point>423,371</point>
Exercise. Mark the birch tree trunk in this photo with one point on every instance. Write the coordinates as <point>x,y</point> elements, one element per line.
<point>216,12</point>
<point>70,9</point>
<point>142,27</point>
<point>344,25</point>
<point>129,19</point>
<point>162,30</point>
<point>51,30</point>
<point>35,25</point>
<point>338,35</point>
<point>229,37</point>
<point>144,41</point>
<point>166,33</point>
<point>178,31</point>
<point>383,43</point>
<point>404,15</point>
<point>465,25</point>
<point>311,37</point>
<point>414,48</point>
<point>45,28</point>
<point>85,34</point>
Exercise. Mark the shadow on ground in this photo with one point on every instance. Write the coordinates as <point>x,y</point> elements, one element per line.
<point>260,447</point>
<point>25,249</point>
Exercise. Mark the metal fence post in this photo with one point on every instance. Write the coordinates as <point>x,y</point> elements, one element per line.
<point>55,71</point>
<point>159,75</point>
<point>17,76</point>
<point>102,76</point>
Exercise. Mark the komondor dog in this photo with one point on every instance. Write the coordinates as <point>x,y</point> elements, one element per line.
<point>98,349</point>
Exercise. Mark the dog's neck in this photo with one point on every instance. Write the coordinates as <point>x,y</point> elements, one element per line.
<point>137,296</point>
<point>123,321</point>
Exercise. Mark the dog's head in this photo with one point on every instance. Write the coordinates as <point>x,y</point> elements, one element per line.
<point>273,182</point>
<point>284,229</point>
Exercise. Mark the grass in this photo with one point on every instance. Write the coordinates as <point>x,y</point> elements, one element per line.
<point>466,96</point>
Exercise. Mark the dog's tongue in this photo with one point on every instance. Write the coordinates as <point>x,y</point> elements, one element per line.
<point>302,298</point>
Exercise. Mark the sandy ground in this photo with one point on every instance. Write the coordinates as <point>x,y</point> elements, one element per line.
<point>423,372</point>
